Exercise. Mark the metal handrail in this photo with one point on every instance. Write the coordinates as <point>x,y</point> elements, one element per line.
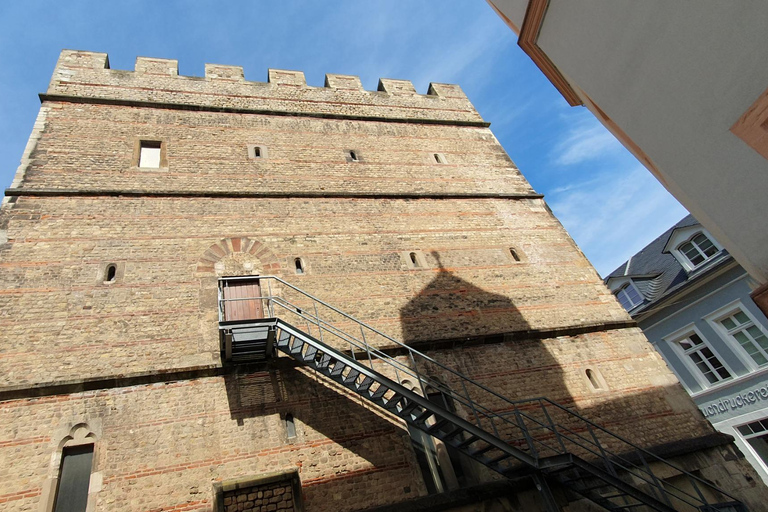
<point>479,411</point>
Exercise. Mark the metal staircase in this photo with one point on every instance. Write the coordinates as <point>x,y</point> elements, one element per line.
<point>534,437</point>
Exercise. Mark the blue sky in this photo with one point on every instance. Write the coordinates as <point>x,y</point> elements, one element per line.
<point>608,202</point>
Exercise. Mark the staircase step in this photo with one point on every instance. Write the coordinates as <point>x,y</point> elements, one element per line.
<point>393,402</point>
<point>324,361</point>
<point>464,444</point>
<point>309,354</point>
<point>337,369</point>
<point>351,376</point>
<point>367,381</point>
<point>284,339</point>
<point>449,435</point>
<point>379,393</point>
<point>423,416</point>
<point>407,409</point>
<point>499,458</point>
<point>481,451</point>
<point>438,425</point>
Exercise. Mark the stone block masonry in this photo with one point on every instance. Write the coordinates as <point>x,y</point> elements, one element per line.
<point>403,211</point>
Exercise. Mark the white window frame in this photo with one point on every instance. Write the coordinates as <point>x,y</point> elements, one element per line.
<point>673,340</point>
<point>637,290</point>
<point>685,235</point>
<point>713,319</point>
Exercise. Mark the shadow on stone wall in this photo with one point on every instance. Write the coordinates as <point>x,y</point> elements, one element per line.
<point>320,409</point>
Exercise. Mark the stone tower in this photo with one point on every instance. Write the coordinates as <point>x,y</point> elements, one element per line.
<point>146,201</point>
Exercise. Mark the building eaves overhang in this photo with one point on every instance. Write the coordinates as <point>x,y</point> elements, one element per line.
<point>702,276</point>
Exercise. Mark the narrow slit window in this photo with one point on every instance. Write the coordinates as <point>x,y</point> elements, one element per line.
<point>111,273</point>
<point>439,158</point>
<point>74,479</point>
<point>256,151</point>
<point>299,265</point>
<point>593,379</point>
<point>149,154</point>
<point>290,425</point>
<point>414,260</point>
<point>514,254</point>
<point>352,155</point>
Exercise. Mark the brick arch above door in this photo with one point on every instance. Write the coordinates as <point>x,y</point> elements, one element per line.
<point>238,256</point>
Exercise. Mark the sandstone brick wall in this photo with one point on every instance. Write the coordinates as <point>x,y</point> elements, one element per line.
<point>62,321</point>
<point>166,445</point>
<point>93,147</point>
<point>79,203</point>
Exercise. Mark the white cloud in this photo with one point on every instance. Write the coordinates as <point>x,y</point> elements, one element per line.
<point>586,140</point>
<point>614,216</point>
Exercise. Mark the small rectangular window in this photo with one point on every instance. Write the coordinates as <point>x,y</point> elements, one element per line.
<point>149,154</point>
<point>74,479</point>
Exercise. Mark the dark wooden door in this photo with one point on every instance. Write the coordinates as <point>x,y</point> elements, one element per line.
<point>242,300</point>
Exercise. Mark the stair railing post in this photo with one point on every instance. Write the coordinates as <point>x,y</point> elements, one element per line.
<point>656,484</point>
<point>698,491</point>
<point>526,434</point>
<point>317,321</point>
<point>418,375</point>
<point>471,403</point>
<point>553,426</point>
<point>550,503</point>
<point>367,347</point>
<point>608,464</point>
<point>270,305</point>
<point>221,303</point>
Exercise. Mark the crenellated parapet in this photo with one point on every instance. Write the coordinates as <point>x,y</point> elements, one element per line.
<point>87,75</point>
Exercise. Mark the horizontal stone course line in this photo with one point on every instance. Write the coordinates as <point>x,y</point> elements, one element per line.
<point>352,474</point>
<point>268,174</point>
<point>527,335</point>
<point>232,110</point>
<point>66,317</point>
<point>230,457</point>
<point>262,128</point>
<point>48,192</point>
<point>332,234</point>
<point>20,495</point>
<point>487,313</point>
<point>86,85</point>
<point>203,504</point>
<point>118,286</point>
<point>21,442</point>
<point>51,389</point>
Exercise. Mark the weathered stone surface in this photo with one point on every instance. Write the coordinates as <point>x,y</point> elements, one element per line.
<point>536,322</point>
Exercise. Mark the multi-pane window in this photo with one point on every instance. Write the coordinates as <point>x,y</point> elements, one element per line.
<point>629,297</point>
<point>756,434</point>
<point>698,249</point>
<point>703,358</point>
<point>741,328</point>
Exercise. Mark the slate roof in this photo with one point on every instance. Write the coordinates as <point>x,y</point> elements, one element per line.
<point>656,274</point>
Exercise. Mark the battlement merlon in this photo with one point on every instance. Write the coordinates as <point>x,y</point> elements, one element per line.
<point>87,75</point>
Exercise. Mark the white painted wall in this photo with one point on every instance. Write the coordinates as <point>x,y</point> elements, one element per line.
<point>674,76</point>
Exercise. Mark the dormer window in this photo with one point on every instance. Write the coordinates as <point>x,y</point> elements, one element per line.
<point>628,296</point>
<point>692,246</point>
<point>698,249</point>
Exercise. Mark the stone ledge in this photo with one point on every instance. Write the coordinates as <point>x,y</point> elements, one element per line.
<point>52,192</point>
<point>272,112</point>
